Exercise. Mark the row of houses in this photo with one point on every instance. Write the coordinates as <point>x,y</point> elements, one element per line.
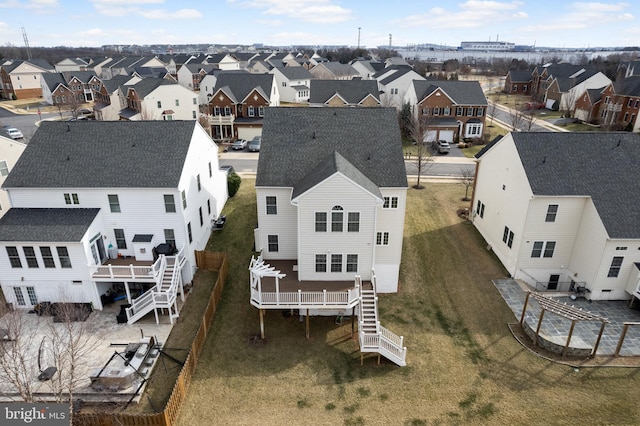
<point>583,92</point>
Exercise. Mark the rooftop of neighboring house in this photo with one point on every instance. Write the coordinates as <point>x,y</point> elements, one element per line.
<point>595,95</point>
<point>518,76</point>
<point>391,73</point>
<point>372,65</point>
<point>196,67</point>
<point>301,146</point>
<point>339,69</point>
<point>569,75</point>
<point>296,73</point>
<point>600,165</point>
<point>115,82</point>
<point>9,66</point>
<point>46,225</point>
<point>239,85</point>
<point>351,91</point>
<point>156,72</point>
<point>629,86</point>
<point>53,79</point>
<point>148,85</point>
<point>119,154</point>
<point>83,76</point>
<point>460,92</point>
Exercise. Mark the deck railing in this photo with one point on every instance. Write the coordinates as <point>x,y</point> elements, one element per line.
<point>119,272</point>
<point>345,298</point>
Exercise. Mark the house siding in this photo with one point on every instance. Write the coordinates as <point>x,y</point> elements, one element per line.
<point>281,224</point>
<point>387,257</point>
<point>336,191</point>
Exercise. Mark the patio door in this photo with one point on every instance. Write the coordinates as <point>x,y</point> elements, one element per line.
<point>553,282</point>
<point>97,249</point>
<point>25,297</point>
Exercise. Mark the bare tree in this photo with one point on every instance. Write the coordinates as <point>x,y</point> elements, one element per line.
<point>423,159</point>
<point>528,119</point>
<point>493,105</point>
<point>517,117</point>
<point>468,176</point>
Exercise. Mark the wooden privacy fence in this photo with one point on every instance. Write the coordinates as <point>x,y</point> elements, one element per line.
<point>167,417</point>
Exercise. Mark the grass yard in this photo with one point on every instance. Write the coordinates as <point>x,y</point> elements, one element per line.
<point>464,367</point>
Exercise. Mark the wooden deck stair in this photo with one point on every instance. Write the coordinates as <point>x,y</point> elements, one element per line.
<point>164,294</point>
<point>372,336</point>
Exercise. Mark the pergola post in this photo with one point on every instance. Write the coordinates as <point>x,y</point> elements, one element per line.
<point>307,324</point>
<point>127,291</point>
<point>524,308</point>
<point>535,338</point>
<point>566,346</point>
<point>353,318</point>
<point>595,347</point>
<point>261,323</point>
<point>625,327</point>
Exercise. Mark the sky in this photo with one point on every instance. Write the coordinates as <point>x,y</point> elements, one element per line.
<point>94,23</point>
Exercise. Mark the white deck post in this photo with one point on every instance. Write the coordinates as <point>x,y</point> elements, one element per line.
<point>126,290</point>
<point>277,291</point>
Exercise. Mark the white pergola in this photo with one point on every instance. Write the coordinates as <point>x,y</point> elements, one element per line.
<point>259,269</point>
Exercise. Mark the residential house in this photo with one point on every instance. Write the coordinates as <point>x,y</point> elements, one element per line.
<point>154,72</point>
<point>561,210</point>
<point>208,84</point>
<point>223,61</point>
<point>109,101</point>
<point>621,104</point>
<point>21,79</point>
<point>293,83</point>
<point>393,83</point>
<point>238,104</point>
<point>341,93</point>
<point>452,109</point>
<point>190,75</point>
<point>158,99</point>
<point>107,213</point>
<point>560,85</point>
<point>72,87</point>
<point>259,66</point>
<point>10,151</point>
<point>96,64</point>
<point>331,194</point>
<point>334,71</point>
<point>518,82</point>
<point>127,64</point>
<point>367,68</point>
<point>174,62</point>
<point>632,68</point>
<point>244,58</point>
<point>588,105</point>
<point>71,64</point>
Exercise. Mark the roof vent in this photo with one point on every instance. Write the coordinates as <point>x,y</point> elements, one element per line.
<point>544,160</point>
<point>68,127</point>
<point>313,135</point>
<point>68,158</point>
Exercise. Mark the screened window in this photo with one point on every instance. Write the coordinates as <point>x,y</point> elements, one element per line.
<point>273,243</point>
<point>71,198</point>
<point>336,263</point>
<point>336,219</point>
<point>552,212</point>
<point>47,257</point>
<point>272,206</point>
<point>114,203</point>
<point>352,263</point>
<point>14,257</point>
<point>169,203</point>
<point>121,241</point>
<point>321,263</point>
<point>614,269</point>
<point>390,203</point>
<point>382,238</point>
<point>353,222</point>
<point>321,222</point>
<point>63,255</point>
<point>30,256</point>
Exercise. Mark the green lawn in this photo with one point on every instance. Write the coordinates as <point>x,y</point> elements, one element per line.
<point>464,367</point>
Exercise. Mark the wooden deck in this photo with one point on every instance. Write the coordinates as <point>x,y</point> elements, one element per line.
<point>123,268</point>
<point>290,283</point>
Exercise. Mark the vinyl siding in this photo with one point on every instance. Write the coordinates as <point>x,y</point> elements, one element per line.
<point>387,258</point>
<point>283,224</point>
<point>336,191</point>
<point>617,285</point>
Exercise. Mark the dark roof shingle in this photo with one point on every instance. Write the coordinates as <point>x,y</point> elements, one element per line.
<point>46,225</point>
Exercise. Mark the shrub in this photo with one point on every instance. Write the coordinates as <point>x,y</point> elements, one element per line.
<point>233,183</point>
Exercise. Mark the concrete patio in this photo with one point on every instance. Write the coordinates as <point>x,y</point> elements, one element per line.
<point>556,327</point>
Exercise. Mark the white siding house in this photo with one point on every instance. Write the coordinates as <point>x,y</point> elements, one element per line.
<point>561,210</point>
<point>98,202</point>
<point>10,151</point>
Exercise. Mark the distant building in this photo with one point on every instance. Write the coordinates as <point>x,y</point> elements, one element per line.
<point>499,46</point>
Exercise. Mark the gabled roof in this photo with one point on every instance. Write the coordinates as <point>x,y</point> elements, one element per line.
<point>148,85</point>
<point>83,76</point>
<point>392,73</point>
<point>239,85</point>
<point>53,80</point>
<point>330,165</point>
<point>352,91</point>
<point>602,165</point>
<point>629,86</point>
<point>297,140</point>
<point>156,72</point>
<point>46,225</point>
<point>372,66</point>
<point>118,154</point>
<point>520,76</point>
<point>243,56</point>
<point>296,73</point>
<point>460,92</point>
<point>595,95</point>
<point>216,58</point>
<point>116,81</point>
<point>339,69</point>
<point>569,75</point>
<point>195,67</point>
<point>39,63</point>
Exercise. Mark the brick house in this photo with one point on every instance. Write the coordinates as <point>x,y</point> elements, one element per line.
<point>518,82</point>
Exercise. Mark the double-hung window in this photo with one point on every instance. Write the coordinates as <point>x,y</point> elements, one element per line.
<point>507,237</point>
<point>321,222</point>
<point>272,241</point>
<point>14,257</point>
<point>336,219</point>
<point>114,203</point>
<point>552,212</point>
<point>336,263</point>
<point>353,222</point>
<point>616,264</point>
<point>272,206</point>
<point>169,203</point>
<point>30,256</point>
<point>321,263</point>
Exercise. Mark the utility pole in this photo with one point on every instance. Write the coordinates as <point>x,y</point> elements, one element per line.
<point>359,28</point>
<point>389,41</point>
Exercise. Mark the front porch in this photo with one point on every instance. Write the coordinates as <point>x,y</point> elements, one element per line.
<point>275,285</point>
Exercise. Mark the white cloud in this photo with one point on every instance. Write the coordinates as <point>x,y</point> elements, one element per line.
<point>119,8</point>
<point>472,14</point>
<point>316,11</point>
<point>584,16</point>
<point>164,14</point>
<point>39,6</point>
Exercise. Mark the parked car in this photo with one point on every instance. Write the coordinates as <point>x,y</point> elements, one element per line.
<point>227,169</point>
<point>14,133</point>
<point>441,146</point>
<point>239,144</point>
<point>254,145</point>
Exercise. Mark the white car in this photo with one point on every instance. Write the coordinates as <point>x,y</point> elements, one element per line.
<point>14,133</point>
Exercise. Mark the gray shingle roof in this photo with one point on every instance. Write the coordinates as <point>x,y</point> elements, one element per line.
<point>103,154</point>
<point>239,85</point>
<point>520,76</point>
<point>629,86</point>
<point>396,71</point>
<point>297,140</point>
<point>113,83</point>
<point>148,85</point>
<point>352,91</point>
<point>595,95</point>
<point>462,92</point>
<point>601,165</point>
<point>53,80</point>
<point>296,73</point>
<point>46,225</point>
